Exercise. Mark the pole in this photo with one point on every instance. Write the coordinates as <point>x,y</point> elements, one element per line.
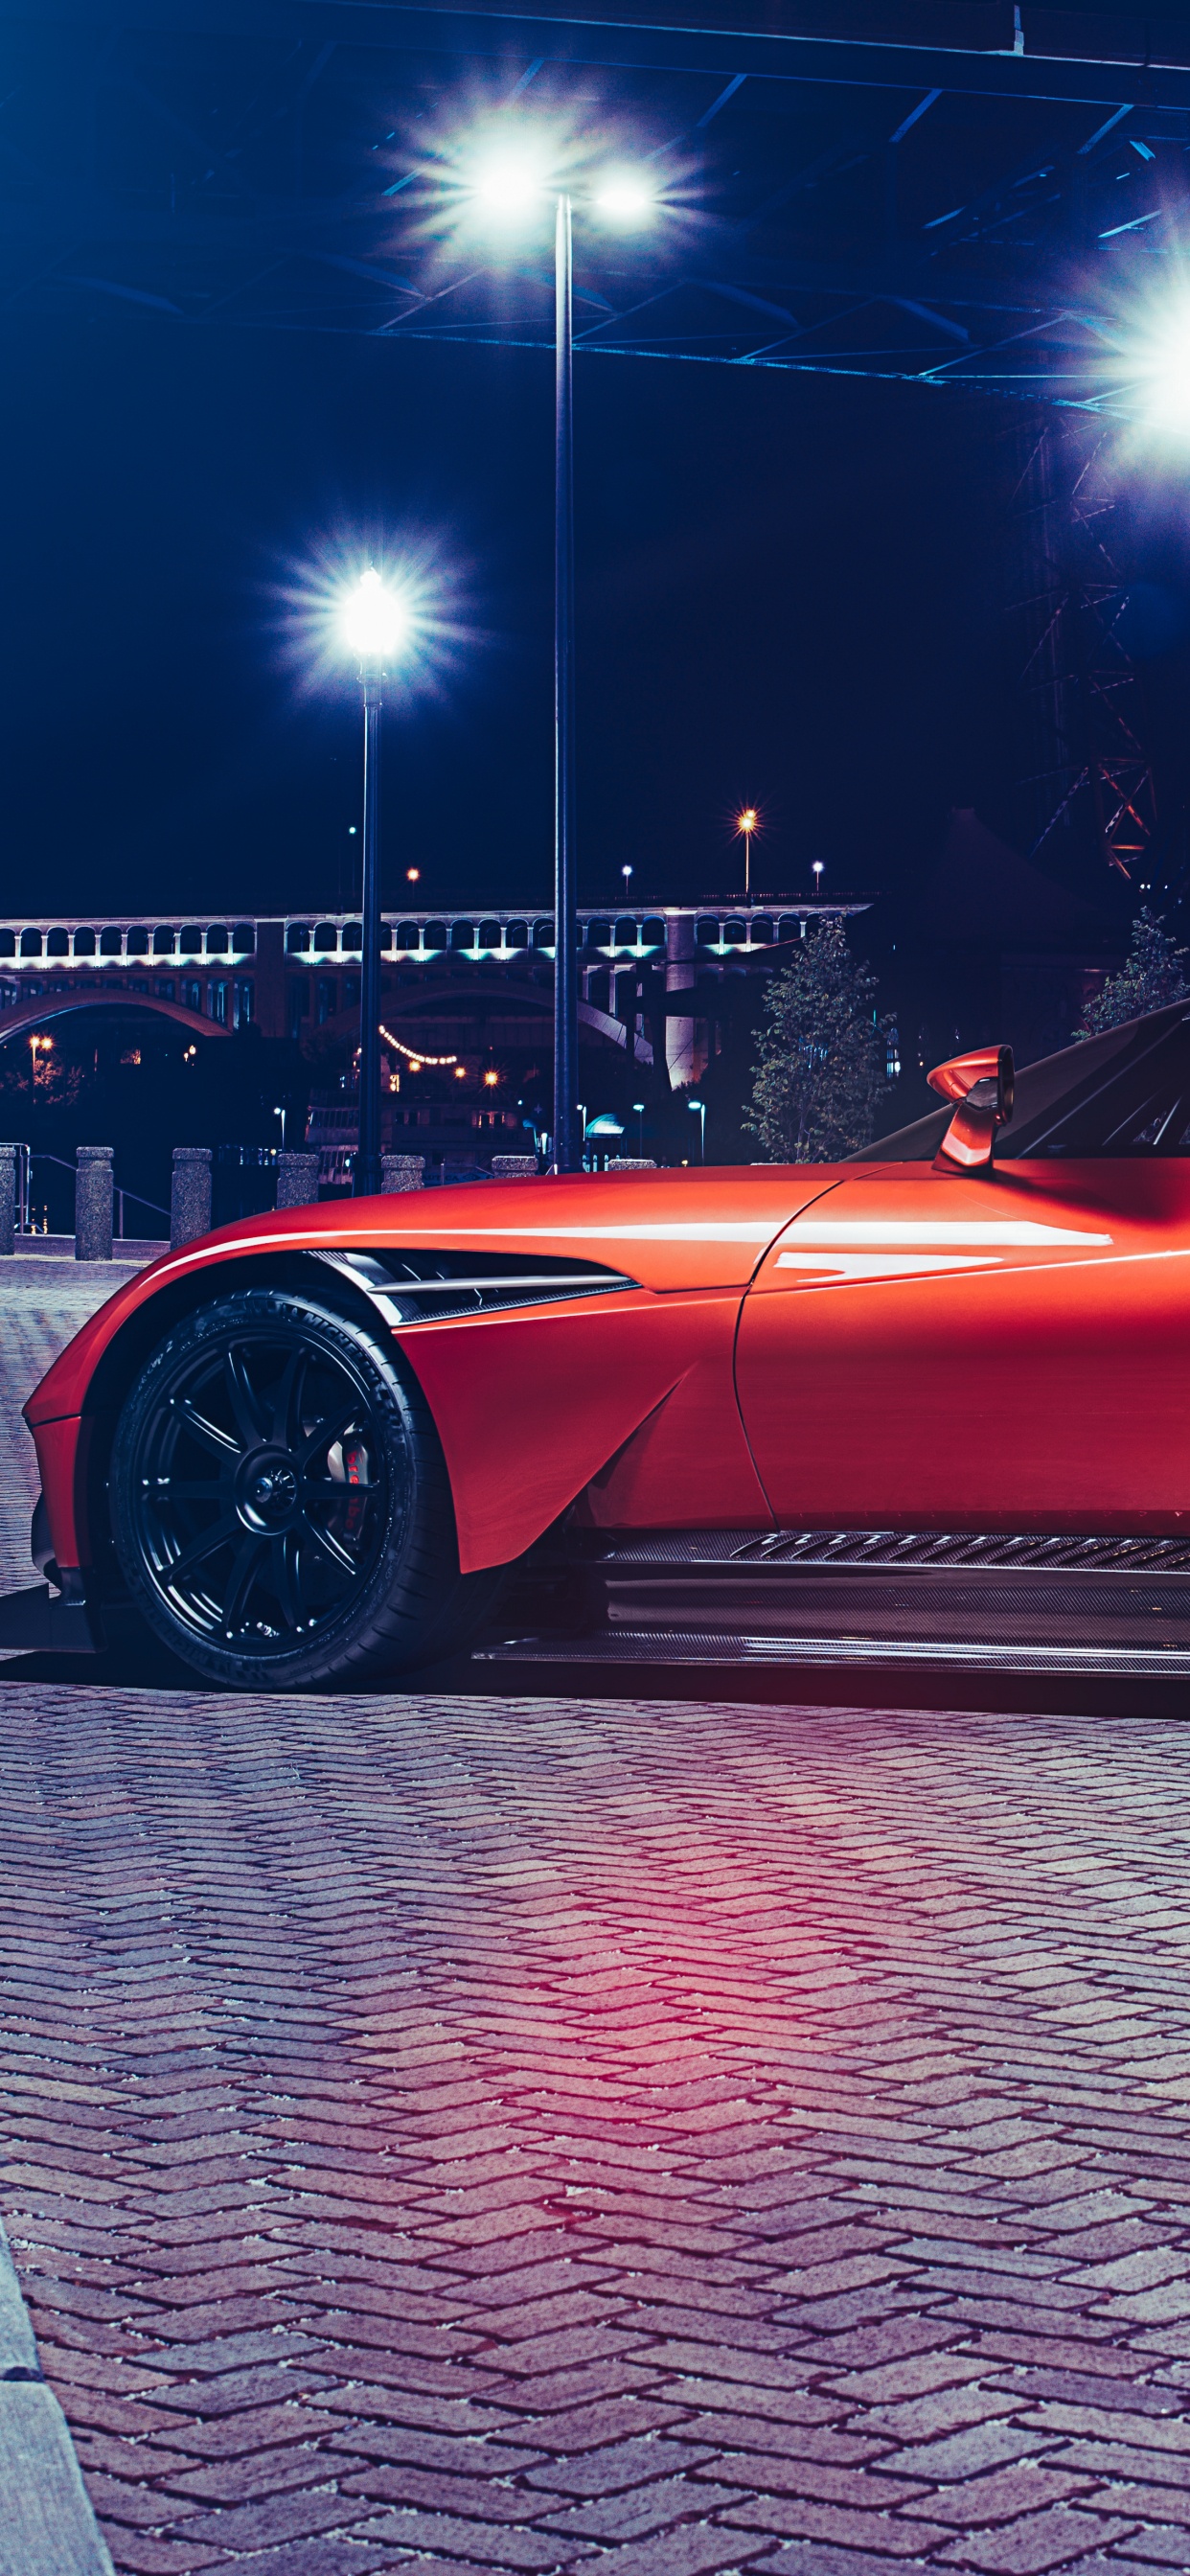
<point>367,1161</point>
<point>565,891</point>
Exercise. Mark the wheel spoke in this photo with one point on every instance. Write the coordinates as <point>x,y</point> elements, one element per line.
<point>242,1577</point>
<point>220,1443</point>
<point>325,1433</point>
<point>198,1549</point>
<point>286,1424</point>
<point>284,1576</point>
<point>242,1396</point>
<point>332,1547</point>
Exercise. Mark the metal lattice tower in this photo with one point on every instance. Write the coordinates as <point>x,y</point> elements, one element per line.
<point>1087,784</point>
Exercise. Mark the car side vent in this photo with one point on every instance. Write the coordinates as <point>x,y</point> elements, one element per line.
<point>419,1287</point>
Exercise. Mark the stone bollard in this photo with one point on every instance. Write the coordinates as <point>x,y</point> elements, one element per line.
<point>8,1197</point>
<point>190,1194</point>
<point>513,1167</point>
<point>297,1179</point>
<point>93,1202</point>
<point>402,1172</point>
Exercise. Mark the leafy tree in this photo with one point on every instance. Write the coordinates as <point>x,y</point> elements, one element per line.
<point>1151,977</point>
<point>822,1064</point>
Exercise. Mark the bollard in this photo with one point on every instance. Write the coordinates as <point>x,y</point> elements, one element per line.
<point>402,1172</point>
<point>93,1202</point>
<point>190,1194</point>
<point>297,1179</point>
<point>8,1197</point>
<point>513,1167</point>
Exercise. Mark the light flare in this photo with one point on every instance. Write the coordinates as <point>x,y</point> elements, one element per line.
<point>376,620</point>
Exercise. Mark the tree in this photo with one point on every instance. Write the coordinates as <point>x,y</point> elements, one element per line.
<point>1151,977</point>
<point>822,1062</point>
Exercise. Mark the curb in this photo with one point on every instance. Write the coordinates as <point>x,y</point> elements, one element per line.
<point>47,2520</point>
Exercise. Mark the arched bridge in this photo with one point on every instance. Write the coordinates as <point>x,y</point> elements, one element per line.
<point>57,1006</point>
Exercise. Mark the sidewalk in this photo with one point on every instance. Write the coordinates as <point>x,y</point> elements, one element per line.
<point>45,1296</point>
<point>490,2135</point>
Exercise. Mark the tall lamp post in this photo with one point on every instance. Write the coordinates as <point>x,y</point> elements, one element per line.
<point>375,623</point>
<point>747,823</point>
<point>568,1143</point>
<point>513,186</point>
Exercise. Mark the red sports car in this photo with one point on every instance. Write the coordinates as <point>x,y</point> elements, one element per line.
<point>305,1448</point>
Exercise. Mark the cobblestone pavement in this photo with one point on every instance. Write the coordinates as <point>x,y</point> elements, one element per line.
<point>43,1301</point>
<point>518,2135</point>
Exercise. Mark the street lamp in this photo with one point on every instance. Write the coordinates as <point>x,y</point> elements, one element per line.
<point>512,183</point>
<point>701,1107</point>
<point>819,865</point>
<point>746,822</point>
<point>375,623</point>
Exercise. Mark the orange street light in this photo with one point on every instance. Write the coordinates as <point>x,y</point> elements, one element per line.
<point>747,822</point>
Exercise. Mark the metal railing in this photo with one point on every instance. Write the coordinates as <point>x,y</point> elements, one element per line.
<point>25,1159</point>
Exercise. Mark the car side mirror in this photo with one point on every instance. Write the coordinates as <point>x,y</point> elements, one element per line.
<point>983,1085</point>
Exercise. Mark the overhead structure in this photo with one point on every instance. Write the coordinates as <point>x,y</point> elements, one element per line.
<point>1088,782</point>
<point>951,192</point>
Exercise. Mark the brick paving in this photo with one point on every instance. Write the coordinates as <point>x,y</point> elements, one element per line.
<point>463,2133</point>
<point>482,2134</point>
<point>43,1301</point>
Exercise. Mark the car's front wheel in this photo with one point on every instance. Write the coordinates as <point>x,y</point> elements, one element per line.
<point>279,1500</point>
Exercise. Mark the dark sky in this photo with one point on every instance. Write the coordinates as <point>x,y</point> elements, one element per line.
<point>787,593</point>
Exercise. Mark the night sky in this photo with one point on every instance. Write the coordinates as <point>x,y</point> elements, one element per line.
<point>788,593</point>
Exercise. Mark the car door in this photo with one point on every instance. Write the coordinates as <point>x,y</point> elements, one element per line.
<point>1009,1349</point>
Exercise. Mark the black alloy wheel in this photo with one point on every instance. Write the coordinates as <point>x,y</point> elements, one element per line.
<point>280,1504</point>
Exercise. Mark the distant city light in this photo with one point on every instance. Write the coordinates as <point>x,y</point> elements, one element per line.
<point>491,1080</point>
<point>460,1073</point>
<point>413,875</point>
<point>375,620</point>
<point>819,865</point>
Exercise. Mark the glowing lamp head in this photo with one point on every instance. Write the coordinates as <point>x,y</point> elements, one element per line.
<point>375,621</point>
<point>819,864</point>
<point>509,185</point>
<point>1160,363</point>
<point>625,197</point>
<point>491,1079</point>
<point>412,876</point>
<point>746,822</point>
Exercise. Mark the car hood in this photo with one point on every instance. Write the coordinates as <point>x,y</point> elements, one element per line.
<point>665,1230</point>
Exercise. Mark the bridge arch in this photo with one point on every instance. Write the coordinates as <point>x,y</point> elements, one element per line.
<point>37,1013</point>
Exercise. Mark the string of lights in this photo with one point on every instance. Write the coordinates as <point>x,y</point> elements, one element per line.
<point>413,1055</point>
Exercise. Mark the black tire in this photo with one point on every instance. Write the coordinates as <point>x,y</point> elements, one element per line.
<point>279,1500</point>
